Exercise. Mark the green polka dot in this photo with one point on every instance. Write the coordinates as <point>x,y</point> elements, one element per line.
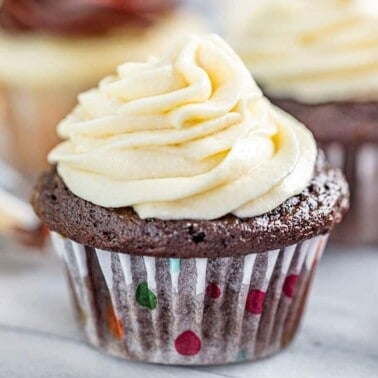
<point>174,265</point>
<point>83,318</point>
<point>145,297</point>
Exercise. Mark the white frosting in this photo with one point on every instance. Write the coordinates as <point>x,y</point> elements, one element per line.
<point>41,60</point>
<point>311,51</point>
<point>186,136</point>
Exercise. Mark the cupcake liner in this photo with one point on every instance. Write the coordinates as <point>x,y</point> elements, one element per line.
<point>28,119</point>
<point>360,166</point>
<point>190,311</point>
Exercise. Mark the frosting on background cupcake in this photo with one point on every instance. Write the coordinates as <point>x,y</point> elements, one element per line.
<point>74,43</point>
<point>311,51</point>
<point>186,136</point>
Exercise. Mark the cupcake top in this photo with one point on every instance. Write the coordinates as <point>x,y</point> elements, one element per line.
<point>311,51</point>
<point>74,43</point>
<point>186,136</point>
<point>78,16</point>
<point>313,212</point>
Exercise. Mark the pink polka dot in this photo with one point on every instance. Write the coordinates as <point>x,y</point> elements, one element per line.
<point>213,290</point>
<point>188,344</point>
<point>255,301</point>
<point>289,285</point>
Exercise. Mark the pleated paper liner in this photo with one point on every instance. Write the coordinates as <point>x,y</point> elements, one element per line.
<point>360,166</point>
<point>190,311</point>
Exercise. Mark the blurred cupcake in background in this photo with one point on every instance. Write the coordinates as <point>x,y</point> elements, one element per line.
<point>318,60</point>
<point>17,219</point>
<point>52,49</point>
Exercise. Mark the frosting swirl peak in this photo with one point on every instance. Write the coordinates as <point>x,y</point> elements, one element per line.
<point>186,136</point>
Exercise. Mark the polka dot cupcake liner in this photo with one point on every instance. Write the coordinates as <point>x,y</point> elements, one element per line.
<point>190,311</point>
<point>360,166</point>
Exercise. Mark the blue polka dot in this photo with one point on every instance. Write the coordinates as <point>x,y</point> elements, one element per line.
<point>174,265</point>
<point>242,356</point>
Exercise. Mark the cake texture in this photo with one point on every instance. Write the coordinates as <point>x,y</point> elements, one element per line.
<point>190,212</point>
<point>313,212</point>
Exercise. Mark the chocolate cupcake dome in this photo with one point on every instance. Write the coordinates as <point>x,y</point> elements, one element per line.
<point>313,212</point>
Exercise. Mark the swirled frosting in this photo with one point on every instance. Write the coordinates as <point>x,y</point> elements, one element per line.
<point>189,135</point>
<point>78,16</point>
<point>311,51</point>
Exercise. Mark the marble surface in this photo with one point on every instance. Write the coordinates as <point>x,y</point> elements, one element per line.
<point>39,337</point>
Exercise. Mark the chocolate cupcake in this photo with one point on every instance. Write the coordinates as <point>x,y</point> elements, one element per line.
<point>189,212</point>
<point>319,62</point>
<point>52,50</point>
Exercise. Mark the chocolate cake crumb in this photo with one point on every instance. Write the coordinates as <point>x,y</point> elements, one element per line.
<point>313,212</point>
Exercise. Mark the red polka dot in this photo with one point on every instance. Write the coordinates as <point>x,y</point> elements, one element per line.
<point>289,285</point>
<point>188,344</point>
<point>255,301</point>
<point>213,291</point>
